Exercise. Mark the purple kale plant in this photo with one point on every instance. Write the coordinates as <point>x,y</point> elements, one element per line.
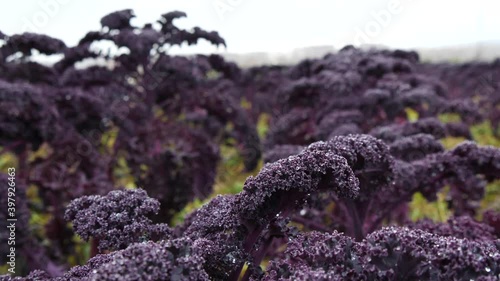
<point>394,253</point>
<point>116,220</point>
<point>71,127</point>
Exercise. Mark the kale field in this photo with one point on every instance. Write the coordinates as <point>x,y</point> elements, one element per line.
<point>142,165</point>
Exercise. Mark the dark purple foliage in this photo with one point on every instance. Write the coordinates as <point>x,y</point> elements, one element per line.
<point>430,126</point>
<point>492,218</point>
<point>29,251</point>
<point>415,147</point>
<point>335,120</point>
<point>249,221</point>
<point>118,20</point>
<point>281,151</point>
<point>386,254</point>
<point>472,80</point>
<point>297,176</point>
<point>460,227</point>
<point>167,260</point>
<point>26,42</point>
<point>117,220</point>
<point>88,121</point>
<point>344,157</point>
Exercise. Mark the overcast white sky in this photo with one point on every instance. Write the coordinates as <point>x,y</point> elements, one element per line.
<point>278,25</point>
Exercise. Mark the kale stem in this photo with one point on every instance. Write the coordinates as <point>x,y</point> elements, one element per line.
<point>259,256</point>
<point>357,226</point>
<point>310,224</point>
